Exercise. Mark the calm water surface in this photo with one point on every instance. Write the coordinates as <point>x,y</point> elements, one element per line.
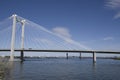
<point>63,69</point>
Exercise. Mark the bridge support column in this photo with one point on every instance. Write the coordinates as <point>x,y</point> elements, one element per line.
<point>22,41</point>
<point>22,56</point>
<point>94,57</point>
<point>66,55</point>
<point>80,55</point>
<point>13,38</point>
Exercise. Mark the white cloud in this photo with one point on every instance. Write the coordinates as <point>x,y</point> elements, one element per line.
<point>117,15</point>
<point>62,31</point>
<point>65,35</point>
<point>108,38</point>
<point>114,5</point>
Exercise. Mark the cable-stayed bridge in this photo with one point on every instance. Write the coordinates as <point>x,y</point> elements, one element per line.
<point>19,34</point>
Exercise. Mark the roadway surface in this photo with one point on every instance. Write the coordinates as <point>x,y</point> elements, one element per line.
<point>73,51</point>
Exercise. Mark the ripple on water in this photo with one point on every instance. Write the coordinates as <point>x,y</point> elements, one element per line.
<point>63,69</point>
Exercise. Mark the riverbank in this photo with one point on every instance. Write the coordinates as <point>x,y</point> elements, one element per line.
<point>3,67</point>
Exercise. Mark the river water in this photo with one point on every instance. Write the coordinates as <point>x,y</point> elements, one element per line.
<point>65,69</point>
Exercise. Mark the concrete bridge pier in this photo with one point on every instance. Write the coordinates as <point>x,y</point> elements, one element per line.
<point>80,55</point>
<point>22,56</point>
<point>94,57</point>
<point>66,55</point>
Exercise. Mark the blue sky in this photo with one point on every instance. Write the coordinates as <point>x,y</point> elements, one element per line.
<point>93,23</point>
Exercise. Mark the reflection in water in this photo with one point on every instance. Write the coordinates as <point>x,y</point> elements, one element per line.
<point>20,69</point>
<point>94,70</point>
<point>9,71</point>
<point>94,66</point>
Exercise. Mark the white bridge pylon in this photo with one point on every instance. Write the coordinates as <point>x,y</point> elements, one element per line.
<point>15,20</point>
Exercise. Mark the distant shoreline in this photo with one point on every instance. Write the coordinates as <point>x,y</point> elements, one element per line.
<point>72,57</point>
<point>50,57</point>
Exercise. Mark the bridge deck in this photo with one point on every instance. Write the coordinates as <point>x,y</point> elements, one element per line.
<point>73,51</point>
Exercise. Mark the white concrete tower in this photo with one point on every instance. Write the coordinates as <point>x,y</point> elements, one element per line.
<point>22,35</point>
<point>13,37</point>
<point>22,40</point>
